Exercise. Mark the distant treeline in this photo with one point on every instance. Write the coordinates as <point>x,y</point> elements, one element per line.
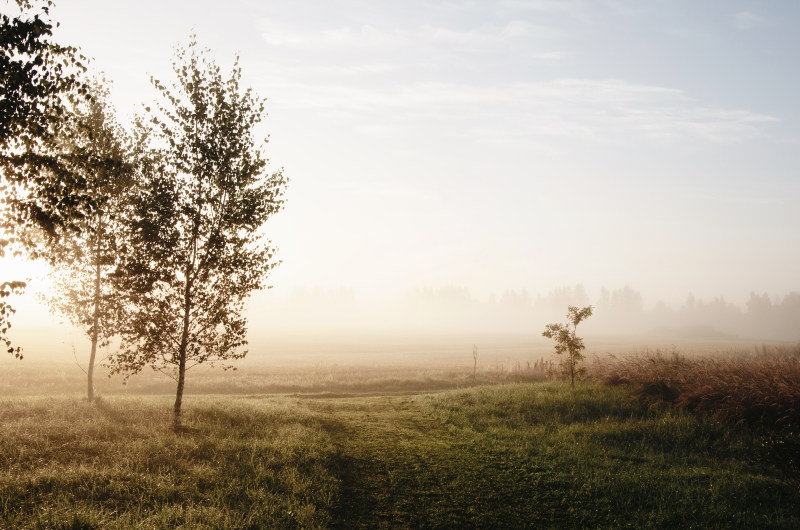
<point>617,312</point>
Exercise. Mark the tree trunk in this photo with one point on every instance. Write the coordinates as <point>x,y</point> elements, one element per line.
<point>572,356</point>
<point>571,366</point>
<point>176,414</point>
<point>95,322</point>
<point>96,315</point>
<point>187,309</point>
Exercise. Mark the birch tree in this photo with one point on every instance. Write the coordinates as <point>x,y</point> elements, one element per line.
<point>196,250</point>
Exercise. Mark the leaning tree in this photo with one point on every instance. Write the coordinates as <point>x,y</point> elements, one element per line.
<point>195,247</point>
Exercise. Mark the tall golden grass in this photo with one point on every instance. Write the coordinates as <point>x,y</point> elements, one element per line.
<point>760,388</point>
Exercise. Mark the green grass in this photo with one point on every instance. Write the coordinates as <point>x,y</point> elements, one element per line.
<point>502,456</point>
<point>546,456</point>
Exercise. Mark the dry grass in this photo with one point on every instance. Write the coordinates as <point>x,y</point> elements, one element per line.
<point>20,379</point>
<point>759,389</point>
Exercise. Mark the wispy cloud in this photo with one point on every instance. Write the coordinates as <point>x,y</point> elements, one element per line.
<point>368,38</point>
<point>281,34</point>
<point>549,6</point>
<point>499,75</point>
<point>747,20</point>
<point>560,108</point>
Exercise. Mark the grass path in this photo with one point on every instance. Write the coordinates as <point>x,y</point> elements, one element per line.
<point>387,460</point>
<point>532,456</point>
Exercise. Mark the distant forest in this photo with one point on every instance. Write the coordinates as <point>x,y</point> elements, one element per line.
<point>617,312</point>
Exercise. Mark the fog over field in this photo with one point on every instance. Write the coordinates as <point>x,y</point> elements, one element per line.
<point>469,169</point>
<point>440,325</point>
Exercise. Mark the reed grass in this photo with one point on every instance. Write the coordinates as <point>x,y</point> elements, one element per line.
<point>759,389</point>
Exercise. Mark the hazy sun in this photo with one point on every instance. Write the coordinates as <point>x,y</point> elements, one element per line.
<point>18,269</point>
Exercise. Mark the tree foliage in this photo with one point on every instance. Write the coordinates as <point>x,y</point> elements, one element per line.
<point>195,251</point>
<point>35,75</point>
<point>7,288</point>
<point>568,342</point>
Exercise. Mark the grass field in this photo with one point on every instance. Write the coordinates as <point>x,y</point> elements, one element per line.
<point>517,455</point>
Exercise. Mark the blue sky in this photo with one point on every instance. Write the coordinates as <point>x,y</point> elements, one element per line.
<point>505,145</point>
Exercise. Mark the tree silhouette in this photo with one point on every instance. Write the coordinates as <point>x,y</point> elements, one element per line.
<point>195,252</point>
<point>7,288</point>
<point>35,76</point>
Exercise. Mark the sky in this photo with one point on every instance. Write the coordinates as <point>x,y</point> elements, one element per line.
<point>518,144</point>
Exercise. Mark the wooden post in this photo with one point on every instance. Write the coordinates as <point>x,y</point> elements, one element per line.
<point>475,358</point>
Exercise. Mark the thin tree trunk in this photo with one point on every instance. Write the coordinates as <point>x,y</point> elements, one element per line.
<point>475,365</point>
<point>95,322</point>
<point>176,414</point>
<point>176,417</point>
<point>96,315</point>
<point>572,357</point>
<point>187,308</point>
<point>572,371</point>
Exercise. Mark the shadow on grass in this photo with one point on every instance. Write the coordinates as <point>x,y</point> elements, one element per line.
<point>357,499</point>
<point>184,430</point>
<point>120,415</point>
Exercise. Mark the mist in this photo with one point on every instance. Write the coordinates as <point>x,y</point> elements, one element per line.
<point>453,310</point>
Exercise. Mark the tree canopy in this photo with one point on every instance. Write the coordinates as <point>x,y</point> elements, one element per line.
<point>36,74</point>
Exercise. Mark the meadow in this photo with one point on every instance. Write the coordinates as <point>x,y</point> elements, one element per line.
<point>396,447</point>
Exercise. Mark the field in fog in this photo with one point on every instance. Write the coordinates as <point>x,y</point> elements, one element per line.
<point>346,363</point>
<point>400,435</point>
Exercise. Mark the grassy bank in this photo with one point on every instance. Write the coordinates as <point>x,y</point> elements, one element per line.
<point>760,388</point>
<point>518,455</point>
